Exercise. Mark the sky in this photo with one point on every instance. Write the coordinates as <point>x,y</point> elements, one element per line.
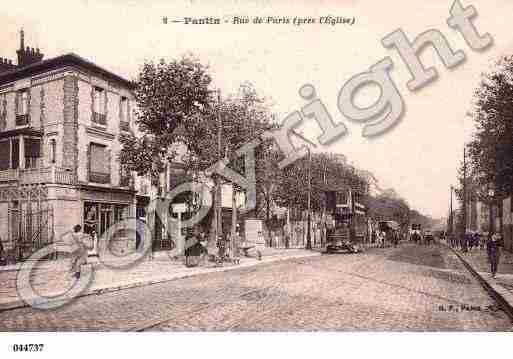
<point>418,158</point>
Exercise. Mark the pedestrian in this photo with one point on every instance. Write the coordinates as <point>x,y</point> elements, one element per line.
<point>470,240</point>
<point>221,246</point>
<point>79,256</point>
<point>492,248</point>
<point>482,242</point>
<point>464,242</point>
<point>381,238</point>
<point>2,260</point>
<point>476,240</point>
<point>94,238</point>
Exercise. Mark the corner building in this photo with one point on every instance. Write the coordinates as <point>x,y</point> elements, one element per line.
<point>60,122</point>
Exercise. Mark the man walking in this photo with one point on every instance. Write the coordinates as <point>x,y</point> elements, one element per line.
<point>492,248</point>
<point>79,256</point>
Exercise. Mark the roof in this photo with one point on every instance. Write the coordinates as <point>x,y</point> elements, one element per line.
<point>70,59</point>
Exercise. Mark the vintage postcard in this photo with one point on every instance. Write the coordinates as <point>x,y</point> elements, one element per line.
<point>327,166</point>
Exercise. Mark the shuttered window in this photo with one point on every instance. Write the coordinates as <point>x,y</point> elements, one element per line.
<point>99,160</point>
<point>99,163</point>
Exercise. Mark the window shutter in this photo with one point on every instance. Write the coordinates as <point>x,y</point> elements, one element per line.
<point>28,106</point>
<point>109,166</point>
<point>105,101</point>
<point>121,109</point>
<point>128,110</point>
<point>89,161</point>
<point>17,103</point>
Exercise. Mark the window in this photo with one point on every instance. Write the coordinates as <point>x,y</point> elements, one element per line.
<point>99,117</point>
<point>15,153</point>
<point>3,112</point>
<point>53,150</point>
<point>32,152</point>
<point>123,110</point>
<point>124,116</point>
<point>99,164</point>
<point>5,155</point>
<point>99,100</point>
<point>22,107</point>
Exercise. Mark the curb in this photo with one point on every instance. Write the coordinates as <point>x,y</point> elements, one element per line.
<point>500,294</point>
<point>17,304</point>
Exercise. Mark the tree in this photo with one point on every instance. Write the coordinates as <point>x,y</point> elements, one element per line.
<point>242,118</point>
<point>167,95</point>
<point>490,150</point>
<point>327,172</point>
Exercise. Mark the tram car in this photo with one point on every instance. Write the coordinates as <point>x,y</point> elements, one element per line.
<point>349,222</point>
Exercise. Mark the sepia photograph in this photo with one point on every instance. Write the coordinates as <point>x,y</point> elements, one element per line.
<point>220,174</point>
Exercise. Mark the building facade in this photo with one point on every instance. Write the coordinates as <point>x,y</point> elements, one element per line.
<point>60,123</point>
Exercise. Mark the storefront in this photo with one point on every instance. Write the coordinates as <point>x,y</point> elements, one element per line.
<point>100,216</point>
<point>104,207</point>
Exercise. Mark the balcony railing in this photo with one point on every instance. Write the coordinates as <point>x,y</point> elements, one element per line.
<point>22,120</point>
<point>99,119</point>
<point>38,175</point>
<point>97,177</point>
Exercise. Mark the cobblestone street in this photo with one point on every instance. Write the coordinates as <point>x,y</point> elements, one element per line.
<point>411,287</point>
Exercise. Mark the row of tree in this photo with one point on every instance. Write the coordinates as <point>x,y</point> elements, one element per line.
<point>490,162</point>
<point>175,103</point>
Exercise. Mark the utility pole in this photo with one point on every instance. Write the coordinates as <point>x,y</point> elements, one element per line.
<point>464,189</point>
<point>464,197</point>
<point>309,226</point>
<point>217,220</point>
<point>451,218</point>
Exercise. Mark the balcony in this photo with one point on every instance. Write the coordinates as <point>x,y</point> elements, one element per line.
<point>99,119</point>
<point>38,175</point>
<point>22,120</point>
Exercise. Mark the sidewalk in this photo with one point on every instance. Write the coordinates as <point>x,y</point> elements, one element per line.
<point>53,277</point>
<point>500,287</point>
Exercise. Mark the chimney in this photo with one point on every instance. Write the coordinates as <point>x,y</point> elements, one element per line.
<point>27,55</point>
<point>6,65</point>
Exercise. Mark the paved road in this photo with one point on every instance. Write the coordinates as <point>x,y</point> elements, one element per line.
<point>407,288</point>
